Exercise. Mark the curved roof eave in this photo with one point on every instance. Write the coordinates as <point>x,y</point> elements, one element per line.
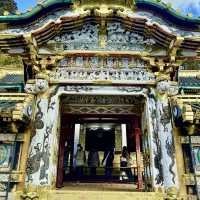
<point>168,13</point>
<point>37,11</point>
<point>152,5</point>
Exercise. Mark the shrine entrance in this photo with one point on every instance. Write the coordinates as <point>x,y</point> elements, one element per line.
<point>101,123</point>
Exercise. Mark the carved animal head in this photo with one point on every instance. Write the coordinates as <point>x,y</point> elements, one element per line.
<point>41,85</point>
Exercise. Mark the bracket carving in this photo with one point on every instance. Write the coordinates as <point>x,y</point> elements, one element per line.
<point>167,87</point>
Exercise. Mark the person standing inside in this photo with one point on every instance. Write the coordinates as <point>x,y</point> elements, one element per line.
<point>80,160</point>
<point>107,162</point>
<point>93,162</point>
<point>66,164</point>
<point>125,165</point>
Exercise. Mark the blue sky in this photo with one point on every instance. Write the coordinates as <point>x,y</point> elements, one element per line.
<point>23,5</point>
<point>186,6</point>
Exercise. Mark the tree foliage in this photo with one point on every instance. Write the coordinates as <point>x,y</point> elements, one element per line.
<point>8,5</point>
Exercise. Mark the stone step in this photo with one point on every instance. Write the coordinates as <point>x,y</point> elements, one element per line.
<point>96,191</point>
<point>102,195</point>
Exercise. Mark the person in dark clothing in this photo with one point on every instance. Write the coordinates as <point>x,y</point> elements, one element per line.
<point>80,160</point>
<point>66,164</point>
<point>125,164</point>
<point>107,162</point>
<point>93,162</point>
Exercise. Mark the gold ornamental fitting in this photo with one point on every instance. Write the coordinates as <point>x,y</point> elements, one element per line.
<point>42,76</point>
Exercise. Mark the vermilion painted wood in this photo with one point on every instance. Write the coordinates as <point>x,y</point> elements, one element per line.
<point>137,133</point>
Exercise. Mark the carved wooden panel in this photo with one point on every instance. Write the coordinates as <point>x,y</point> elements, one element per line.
<point>102,104</point>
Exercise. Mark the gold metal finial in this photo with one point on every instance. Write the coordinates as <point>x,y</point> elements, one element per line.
<point>30,9</point>
<point>189,14</point>
<point>18,12</point>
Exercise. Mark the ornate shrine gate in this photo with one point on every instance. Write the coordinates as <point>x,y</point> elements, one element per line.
<point>112,76</point>
<point>109,55</point>
<point>104,100</point>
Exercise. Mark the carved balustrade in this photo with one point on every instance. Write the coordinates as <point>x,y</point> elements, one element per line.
<point>102,68</point>
<point>101,74</point>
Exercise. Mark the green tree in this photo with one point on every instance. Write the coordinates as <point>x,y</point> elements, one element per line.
<point>8,5</point>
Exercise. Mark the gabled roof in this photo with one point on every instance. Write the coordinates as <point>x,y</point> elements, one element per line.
<point>155,6</point>
<point>44,27</point>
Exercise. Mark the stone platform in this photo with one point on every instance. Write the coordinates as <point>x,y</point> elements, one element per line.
<point>98,191</point>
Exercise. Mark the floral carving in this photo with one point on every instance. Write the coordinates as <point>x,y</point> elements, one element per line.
<point>166,87</point>
<point>85,38</point>
<point>118,38</point>
<point>121,39</point>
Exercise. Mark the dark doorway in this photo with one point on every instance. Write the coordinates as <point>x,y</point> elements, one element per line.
<point>101,136</point>
<point>100,139</point>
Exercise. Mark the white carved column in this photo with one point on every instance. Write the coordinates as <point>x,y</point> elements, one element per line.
<point>164,88</point>
<point>37,163</point>
<point>54,121</point>
<point>154,142</point>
